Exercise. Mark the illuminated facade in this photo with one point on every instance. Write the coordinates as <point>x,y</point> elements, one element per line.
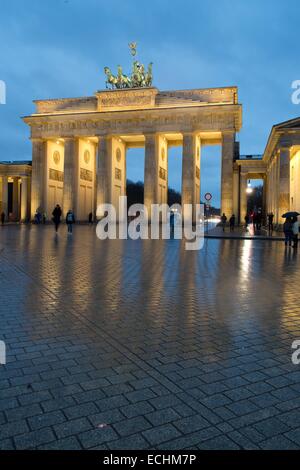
<point>79,150</point>
<point>79,145</point>
<point>279,168</point>
<point>15,190</point>
<point>281,159</point>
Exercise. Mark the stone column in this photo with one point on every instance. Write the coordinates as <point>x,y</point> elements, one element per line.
<point>163,151</point>
<point>284,183</point>
<point>190,192</point>
<point>243,197</point>
<point>15,199</point>
<point>5,196</point>
<point>104,170</point>
<point>236,193</point>
<point>24,199</point>
<point>71,175</point>
<point>265,196</point>
<point>197,170</point>
<point>151,178</point>
<point>277,189</point>
<point>95,180</point>
<point>272,188</point>
<point>228,138</point>
<point>267,192</point>
<point>39,149</point>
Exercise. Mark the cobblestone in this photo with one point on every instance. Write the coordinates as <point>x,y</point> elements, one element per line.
<point>129,345</point>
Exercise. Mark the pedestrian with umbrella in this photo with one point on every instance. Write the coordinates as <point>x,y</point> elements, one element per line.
<point>295,232</point>
<point>291,228</point>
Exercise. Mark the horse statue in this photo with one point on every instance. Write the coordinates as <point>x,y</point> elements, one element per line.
<point>111,79</point>
<point>123,81</point>
<point>149,75</point>
<point>136,78</point>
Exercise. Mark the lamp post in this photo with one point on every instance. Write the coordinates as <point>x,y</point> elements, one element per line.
<point>249,189</point>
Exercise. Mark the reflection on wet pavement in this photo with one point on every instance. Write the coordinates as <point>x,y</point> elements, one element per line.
<point>170,348</point>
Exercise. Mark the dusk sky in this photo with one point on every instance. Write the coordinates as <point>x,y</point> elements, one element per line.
<point>58,48</point>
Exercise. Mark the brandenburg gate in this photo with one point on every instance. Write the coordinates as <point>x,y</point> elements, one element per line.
<point>79,145</point>
<point>79,149</point>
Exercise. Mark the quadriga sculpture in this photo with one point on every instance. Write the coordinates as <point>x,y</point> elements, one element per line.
<point>139,77</point>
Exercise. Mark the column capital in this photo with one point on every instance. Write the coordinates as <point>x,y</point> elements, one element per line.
<point>228,131</point>
<point>285,140</point>
<point>188,134</point>
<point>228,135</point>
<point>103,136</point>
<point>70,139</point>
<point>150,135</point>
<point>284,155</point>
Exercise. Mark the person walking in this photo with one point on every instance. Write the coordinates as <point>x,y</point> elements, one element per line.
<point>90,218</point>
<point>258,220</point>
<point>247,221</point>
<point>56,216</point>
<point>295,229</point>
<point>288,231</point>
<point>232,223</point>
<point>223,221</point>
<point>270,223</point>
<point>70,220</point>
<point>2,218</point>
<point>172,224</point>
<point>254,221</point>
<point>37,217</point>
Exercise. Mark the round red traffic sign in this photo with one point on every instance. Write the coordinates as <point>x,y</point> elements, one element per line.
<point>208,197</point>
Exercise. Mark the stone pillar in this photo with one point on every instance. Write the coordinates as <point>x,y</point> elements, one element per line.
<point>277,189</point>
<point>267,192</point>
<point>104,170</point>
<point>190,192</point>
<point>71,175</point>
<point>228,138</point>
<point>284,183</point>
<point>197,170</point>
<point>151,178</point>
<point>243,197</point>
<point>15,199</point>
<point>265,196</point>
<point>95,180</point>
<point>5,195</point>
<point>24,199</point>
<point>272,188</point>
<point>163,149</point>
<point>39,149</point>
<point>236,193</point>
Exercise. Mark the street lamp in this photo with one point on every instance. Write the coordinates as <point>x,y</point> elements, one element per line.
<point>249,190</point>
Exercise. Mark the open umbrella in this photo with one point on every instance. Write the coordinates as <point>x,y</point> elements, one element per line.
<point>290,214</point>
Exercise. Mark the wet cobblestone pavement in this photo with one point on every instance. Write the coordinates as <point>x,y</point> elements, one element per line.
<point>130,344</point>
